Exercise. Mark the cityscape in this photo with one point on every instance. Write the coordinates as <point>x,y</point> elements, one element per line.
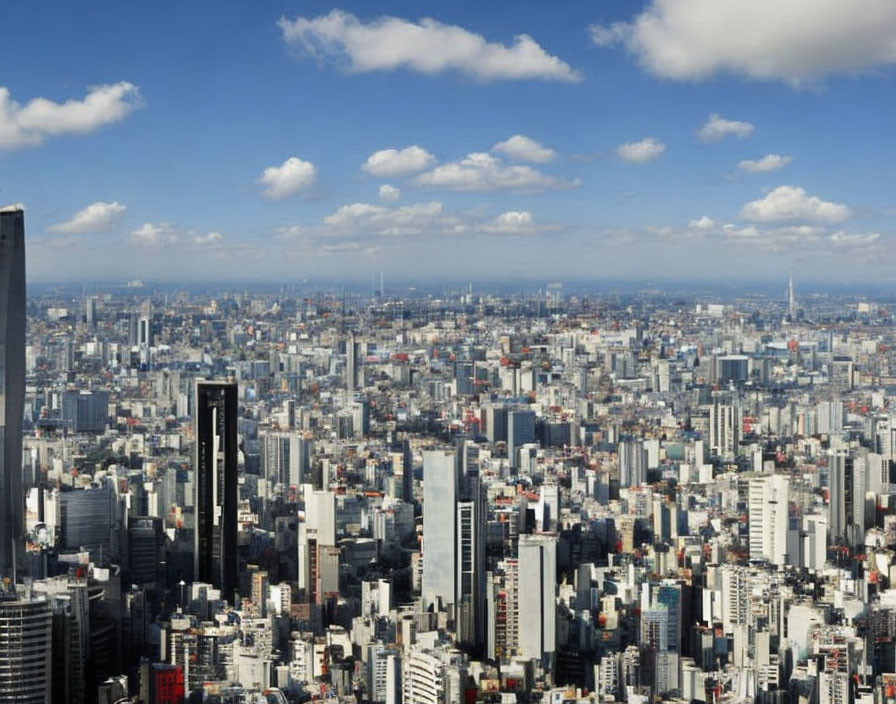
<point>300,404</point>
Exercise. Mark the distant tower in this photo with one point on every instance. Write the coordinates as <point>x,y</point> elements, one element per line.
<point>215,482</point>
<point>352,362</point>
<point>12,385</point>
<point>791,300</point>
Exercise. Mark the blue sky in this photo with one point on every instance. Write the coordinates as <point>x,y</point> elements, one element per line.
<point>229,140</point>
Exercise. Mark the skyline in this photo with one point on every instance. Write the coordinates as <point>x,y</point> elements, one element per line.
<point>570,145</point>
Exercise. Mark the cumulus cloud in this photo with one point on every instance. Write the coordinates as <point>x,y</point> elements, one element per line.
<point>388,163</point>
<point>717,127</point>
<point>210,239</point>
<point>642,151</point>
<point>96,217</point>
<point>150,235</point>
<point>789,203</point>
<point>389,193</point>
<point>770,162</point>
<point>794,41</point>
<point>28,125</point>
<point>428,47</point>
<point>290,178</point>
<point>522,148</point>
<point>378,225</point>
<point>383,221</point>
<point>843,239</point>
<point>480,171</point>
<point>704,222</point>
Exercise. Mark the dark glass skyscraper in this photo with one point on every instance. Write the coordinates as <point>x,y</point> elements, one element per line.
<point>12,384</point>
<point>215,482</point>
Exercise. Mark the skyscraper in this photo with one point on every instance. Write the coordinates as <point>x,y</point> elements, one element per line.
<point>215,482</point>
<point>537,595</point>
<point>520,430</point>
<point>12,384</point>
<point>440,495</point>
<point>26,648</point>
<point>352,354</point>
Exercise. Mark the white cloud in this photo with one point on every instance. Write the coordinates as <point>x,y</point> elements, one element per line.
<point>608,35</point>
<point>427,47</point>
<point>512,222</point>
<point>208,240</point>
<point>480,171</point>
<point>379,224</point>
<point>750,232</point>
<point>704,222</point>
<point>149,235</point>
<point>382,221</point>
<point>96,217</point>
<point>29,124</point>
<point>642,151</point>
<point>388,193</point>
<point>794,41</point>
<point>770,162</point>
<point>522,148</point>
<point>788,203</point>
<point>717,127</point>
<point>842,239</point>
<point>288,179</point>
<point>388,163</point>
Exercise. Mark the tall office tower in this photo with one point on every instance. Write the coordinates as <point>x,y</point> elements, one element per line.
<point>402,469</point>
<point>470,566</point>
<point>26,647</point>
<point>317,537</point>
<point>496,423</point>
<point>87,411</point>
<point>791,299</point>
<point>145,546</point>
<point>352,363</point>
<point>215,485</point>
<point>632,463</point>
<point>829,417</point>
<point>735,597</point>
<point>668,596</point>
<point>846,509</point>
<point>724,428</point>
<point>520,430</point>
<point>769,515</point>
<point>285,457</point>
<point>441,489</point>
<point>12,386</point>
<point>90,311</point>
<point>537,567</point>
<point>144,325</point>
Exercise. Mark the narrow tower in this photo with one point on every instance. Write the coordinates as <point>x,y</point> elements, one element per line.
<point>791,300</point>
<point>215,485</point>
<point>12,385</point>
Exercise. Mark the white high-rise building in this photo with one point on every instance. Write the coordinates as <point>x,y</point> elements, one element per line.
<point>769,515</point>
<point>440,494</point>
<point>632,463</point>
<point>317,535</point>
<point>537,616</point>
<point>724,428</point>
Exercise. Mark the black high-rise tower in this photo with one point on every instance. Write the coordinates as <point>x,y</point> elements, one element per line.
<point>215,481</point>
<point>12,386</point>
